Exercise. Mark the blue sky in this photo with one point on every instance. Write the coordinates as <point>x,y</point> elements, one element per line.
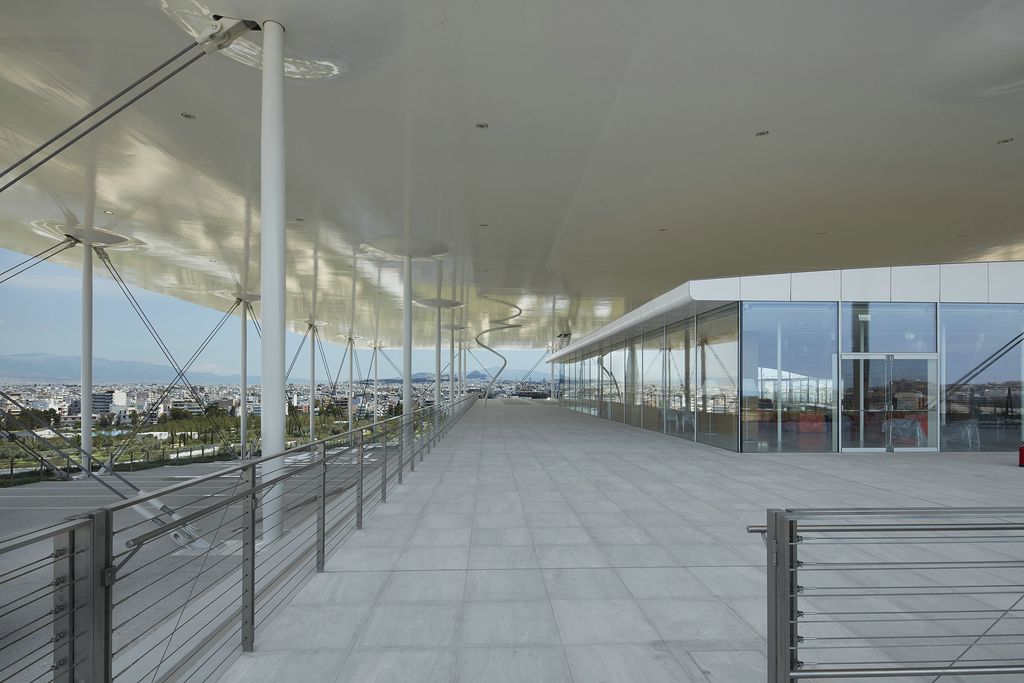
<point>40,313</point>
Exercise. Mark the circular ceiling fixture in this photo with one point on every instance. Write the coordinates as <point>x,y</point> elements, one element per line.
<point>438,303</point>
<point>108,212</point>
<point>761,133</point>
<point>98,237</point>
<point>394,247</point>
<point>482,124</point>
<point>188,115</point>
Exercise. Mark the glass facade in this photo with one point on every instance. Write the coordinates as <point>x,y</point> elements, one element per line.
<point>789,377</point>
<point>818,377</point>
<point>982,363</point>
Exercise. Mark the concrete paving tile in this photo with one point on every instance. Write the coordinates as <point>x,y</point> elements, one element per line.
<point>586,583</point>
<point>508,623</point>
<point>505,584</point>
<point>517,664</point>
<point>440,537</point>
<point>415,558</point>
<point>696,619</point>
<point>364,559</point>
<point>502,557</point>
<point>513,536</point>
<point>561,536</point>
<point>731,666</point>
<point>663,582</point>
<point>314,627</point>
<point>341,588</point>
<point>636,555</point>
<point>589,622</point>
<point>650,663</point>
<point>397,665</point>
<point>410,625</point>
<point>555,556</point>
<point>272,667</point>
<point>425,586</point>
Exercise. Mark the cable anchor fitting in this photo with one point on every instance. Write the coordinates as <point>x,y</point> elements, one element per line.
<point>222,32</point>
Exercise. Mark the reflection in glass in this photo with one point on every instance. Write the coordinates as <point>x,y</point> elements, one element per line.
<point>717,401</point>
<point>679,415</point>
<point>631,408</point>
<point>874,327</point>
<point>982,359</point>
<point>652,395</point>
<point>789,360</point>
<point>889,402</point>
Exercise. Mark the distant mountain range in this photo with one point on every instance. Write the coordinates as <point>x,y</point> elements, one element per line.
<point>48,368</point>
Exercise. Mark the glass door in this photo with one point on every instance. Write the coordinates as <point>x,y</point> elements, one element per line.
<point>889,402</point>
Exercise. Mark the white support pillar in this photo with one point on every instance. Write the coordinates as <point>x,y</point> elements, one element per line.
<point>272,275</point>
<point>407,353</point>
<point>351,384</point>
<point>312,382</point>
<point>243,387</point>
<point>551,366</point>
<point>86,397</point>
<point>451,361</point>
<point>376,387</point>
<point>437,341</point>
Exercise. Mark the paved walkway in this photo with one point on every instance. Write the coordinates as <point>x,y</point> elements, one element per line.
<point>536,544</point>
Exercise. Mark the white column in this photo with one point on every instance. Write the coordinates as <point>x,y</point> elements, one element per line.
<point>312,382</point>
<point>551,366</point>
<point>86,398</point>
<point>451,361</point>
<point>243,387</point>
<point>272,276</point>
<point>407,352</point>
<point>437,341</point>
<point>351,386</point>
<point>376,388</point>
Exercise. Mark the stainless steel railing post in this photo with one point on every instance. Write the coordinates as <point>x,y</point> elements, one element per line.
<point>401,452</point>
<point>782,592</point>
<point>321,510</point>
<point>359,487</point>
<point>384,469</point>
<point>249,503</point>
<point>98,661</point>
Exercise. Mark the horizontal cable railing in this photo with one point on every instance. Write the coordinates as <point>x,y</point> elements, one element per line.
<point>926,593</point>
<point>170,585</point>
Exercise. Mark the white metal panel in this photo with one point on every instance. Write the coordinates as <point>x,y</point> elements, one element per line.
<point>1006,282</point>
<point>822,285</point>
<point>866,284</point>
<point>716,289</point>
<point>964,282</point>
<point>765,287</point>
<point>914,283</point>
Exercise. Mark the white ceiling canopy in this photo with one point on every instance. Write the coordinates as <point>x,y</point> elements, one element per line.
<point>628,147</point>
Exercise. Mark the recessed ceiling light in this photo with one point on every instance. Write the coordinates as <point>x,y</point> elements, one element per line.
<point>188,115</point>
<point>108,212</point>
<point>761,133</point>
<point>482,124</point>
<point>1004,141</point>
<point>823,232</point>
<point>298,220</point>
<point>484,225</point>
<point>964,235</point>
<point>662,229</point>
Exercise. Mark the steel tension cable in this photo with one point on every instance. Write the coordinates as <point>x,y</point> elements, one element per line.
<point>35,260</point>
<point>217,36</point>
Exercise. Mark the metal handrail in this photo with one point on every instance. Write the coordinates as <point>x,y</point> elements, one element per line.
<point>303,448</point>
<point>792,628</point>
<point>130,638</point>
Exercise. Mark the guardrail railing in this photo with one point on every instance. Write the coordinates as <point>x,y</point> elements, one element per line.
<point>893,593</point>
<point>171,585</point>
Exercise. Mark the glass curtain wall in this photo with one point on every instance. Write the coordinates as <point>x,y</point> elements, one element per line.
<point>717,401</point>
<point>982,359</point>
<point>632,351</point>
<point>789,377</point>
<point>680,351</point>
<point>652,395</point>
<point>615,363</point>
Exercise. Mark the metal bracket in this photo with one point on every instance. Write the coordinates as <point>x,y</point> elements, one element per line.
<point>222,32</point>
<point>109,576</point>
